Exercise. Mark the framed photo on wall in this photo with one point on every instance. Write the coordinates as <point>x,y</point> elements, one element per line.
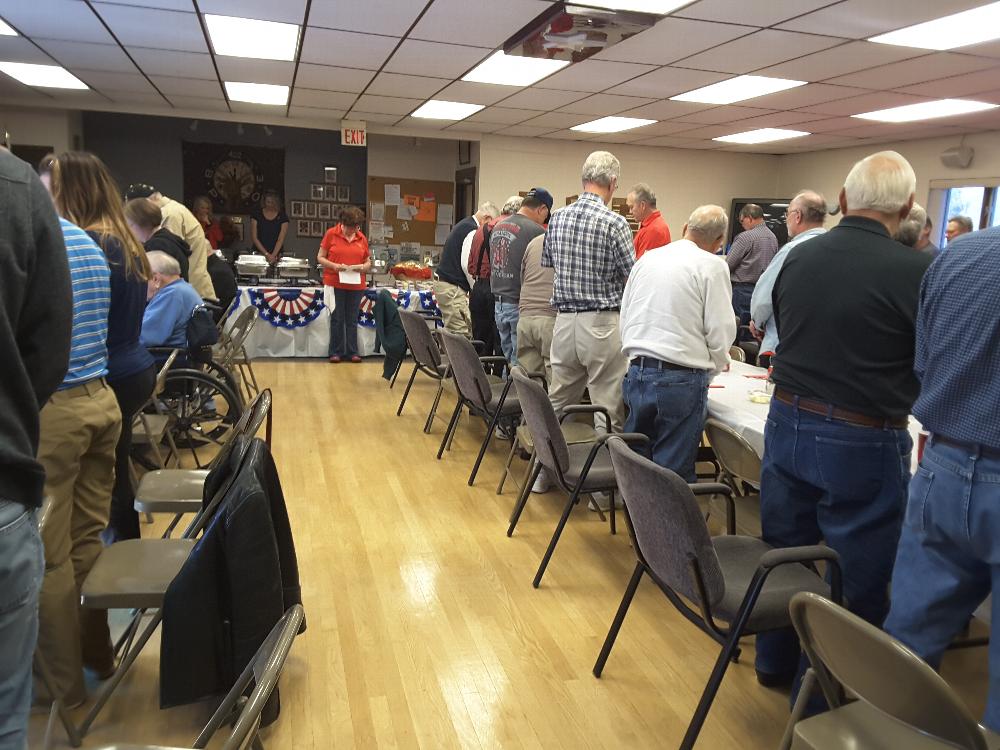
<point>311,210</point>
<point>330,193</point>
<point>302,228</point>
<point>317,228</point>
<point>317,192</point>
<point>330,175</point>
<point>343,193</point>
<point>323,211</point>
<point>297,209</point>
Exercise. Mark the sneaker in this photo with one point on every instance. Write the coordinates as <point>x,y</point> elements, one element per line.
<point>542,482</point>
<point>334,359</point>
<point>602,500</point>
<point>355,358</point>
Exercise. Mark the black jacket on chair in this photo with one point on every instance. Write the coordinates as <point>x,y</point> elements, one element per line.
<point>238,581</point>
<point>389,332</point>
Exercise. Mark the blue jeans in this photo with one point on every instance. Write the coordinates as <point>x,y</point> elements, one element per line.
<point>344,322</point>
<point>827,480</point>
<point>742,294</point>
<point>949,556</point>
<point>21,568</point>
<point>669,407</point>
<point>506,314</point>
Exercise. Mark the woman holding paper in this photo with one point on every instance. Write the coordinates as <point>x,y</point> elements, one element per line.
<point>344,255</point>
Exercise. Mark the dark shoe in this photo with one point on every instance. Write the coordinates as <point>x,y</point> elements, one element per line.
<point>775,679</point>
<point>334,359</point>
<point>355,358</point>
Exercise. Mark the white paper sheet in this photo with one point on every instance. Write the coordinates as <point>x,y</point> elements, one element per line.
<point>350,277</point>
<point>378,212</point>
<point>441,232</point>
<point>405,212</point>
<point>392,195</point>
<point>376,230</point>
<point>446,214</point>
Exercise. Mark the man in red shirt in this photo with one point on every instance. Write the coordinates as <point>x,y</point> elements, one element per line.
<point>653,230</point>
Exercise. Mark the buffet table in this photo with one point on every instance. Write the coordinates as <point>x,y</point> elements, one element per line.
<point>295,322</point>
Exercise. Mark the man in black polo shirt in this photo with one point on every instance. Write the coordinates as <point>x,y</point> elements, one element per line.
<point>452,285</point>
<point>836,461</point>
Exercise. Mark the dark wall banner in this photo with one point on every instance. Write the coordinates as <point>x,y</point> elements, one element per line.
<point>234,177</point>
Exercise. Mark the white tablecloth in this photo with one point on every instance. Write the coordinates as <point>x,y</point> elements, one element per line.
<point>295,322</point>
<point>731,405</point>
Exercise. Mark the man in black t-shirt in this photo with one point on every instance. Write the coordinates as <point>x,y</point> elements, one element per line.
<point>452,285</point>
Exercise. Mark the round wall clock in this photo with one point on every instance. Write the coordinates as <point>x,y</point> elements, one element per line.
<point>234,180</point>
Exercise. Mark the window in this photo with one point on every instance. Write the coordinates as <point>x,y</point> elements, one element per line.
<point>981,204</point>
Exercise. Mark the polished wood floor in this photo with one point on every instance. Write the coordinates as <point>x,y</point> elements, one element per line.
<point>424,630</point>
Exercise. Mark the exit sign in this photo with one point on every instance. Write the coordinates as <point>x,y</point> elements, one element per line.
<point>353,133</point>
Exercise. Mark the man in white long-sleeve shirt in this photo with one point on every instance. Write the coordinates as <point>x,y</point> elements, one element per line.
<point>676,326</point>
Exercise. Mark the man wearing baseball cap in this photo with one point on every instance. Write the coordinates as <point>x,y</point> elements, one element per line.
<point>508,241</point>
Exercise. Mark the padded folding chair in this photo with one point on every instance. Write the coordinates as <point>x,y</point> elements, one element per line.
<point>181,491</point>
<point>232,353</point>
<point>152,428</point>
<point>740,580</point>
<point>738,462</point>
<point>263,671</point>
<point>427,358</point>
<point>577,469</point>
<point>484,397</point>
<point>902,702</point>
<point>736,354</point>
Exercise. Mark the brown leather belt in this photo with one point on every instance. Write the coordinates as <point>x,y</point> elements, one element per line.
<point>823,409</point>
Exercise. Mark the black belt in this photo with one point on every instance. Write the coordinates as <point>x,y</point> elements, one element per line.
<point>652,363</point>
<point>594,309</point>
<point>744,283</point>
<point>983,450</point>
<point>504,300</point>
<point>823,409</point>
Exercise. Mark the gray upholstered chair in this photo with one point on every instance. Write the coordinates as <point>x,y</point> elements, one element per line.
<point>902,702</point>
<point>427,358</point>
<point>263,671</point>
<point>484,397</point>
<point>577,469</point>
<point>738,579</point>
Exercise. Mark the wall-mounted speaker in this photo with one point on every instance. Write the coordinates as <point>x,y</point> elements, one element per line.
<point>957,157</point>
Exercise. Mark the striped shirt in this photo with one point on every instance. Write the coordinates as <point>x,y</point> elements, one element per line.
<point>88,268</point>
<point>590,248</point>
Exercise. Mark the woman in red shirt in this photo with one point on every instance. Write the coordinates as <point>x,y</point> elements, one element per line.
<point>201,207</point>
<point>344,255</point>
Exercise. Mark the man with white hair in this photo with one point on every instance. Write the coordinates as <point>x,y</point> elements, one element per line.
<point>676,326</point>
<point>452,286</point>
<point>837,452</point>
<point>911,228</point>
<point>171,302</point>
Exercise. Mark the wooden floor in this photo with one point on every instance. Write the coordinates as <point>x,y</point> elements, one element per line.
<point>424,630</point>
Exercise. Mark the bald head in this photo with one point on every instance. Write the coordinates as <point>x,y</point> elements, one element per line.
<point>706,227</point>
<point>880,187</point>
<point>807,210</point>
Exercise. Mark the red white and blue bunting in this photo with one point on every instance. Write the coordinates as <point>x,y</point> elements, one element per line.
<point>287,308</point>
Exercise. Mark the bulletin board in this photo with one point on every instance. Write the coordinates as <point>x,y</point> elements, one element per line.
<point>426,198</point>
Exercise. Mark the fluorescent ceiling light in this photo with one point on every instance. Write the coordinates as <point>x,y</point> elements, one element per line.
<point>513,70</point>
<point>656,7</point>
<point>926,110</point>
<point>957,30</point>
<point>44,76</point>
<point>6,30</point>
<point>737,89</point>
<point>437,109</point>
<point>612,125</point>
<point>248,37</point>
<point>762,135</point>
<point>257,93</point>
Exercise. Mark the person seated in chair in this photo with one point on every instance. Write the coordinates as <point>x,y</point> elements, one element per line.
<point>171,300</point>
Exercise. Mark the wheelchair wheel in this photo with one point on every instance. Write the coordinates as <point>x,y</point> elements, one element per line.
<point>219,372</point>
<point>203,408</point>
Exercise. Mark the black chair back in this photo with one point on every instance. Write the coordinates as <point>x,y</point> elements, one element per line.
<point>421,341</point>
<point>550,445</point>
<point>470,377</point>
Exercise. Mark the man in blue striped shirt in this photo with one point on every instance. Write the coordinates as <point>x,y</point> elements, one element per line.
<point>79,430</point>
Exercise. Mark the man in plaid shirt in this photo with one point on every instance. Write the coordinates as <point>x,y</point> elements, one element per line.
<point>590,249</point>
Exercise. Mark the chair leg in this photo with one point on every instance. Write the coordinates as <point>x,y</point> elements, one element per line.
<point>395,373</point>
<point>434,407</point>
<point>506,466</point>
<point>573,498</point>
<point>522,500</point>
<point>452,426</point>
<point>614,527</point>
<point>616,625</point>
<point>799,708</point>
<point>484,446</point>
<point>58,706</point>
<point>406,393</point>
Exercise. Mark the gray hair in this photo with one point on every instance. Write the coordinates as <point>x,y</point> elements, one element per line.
<point>708,223</point>
<point>963,221</point>
<point>490,209</point>
<point>512,205</point>
<point>812,205</point>
<point>643,192</point>
<point>161,262</point>
<point>882,182</point>
<point>601,168</point>
<point>911,227</point>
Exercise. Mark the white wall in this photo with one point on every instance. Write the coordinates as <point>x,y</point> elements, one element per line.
<point>681,179</point>
<point>413,158</point>
<point>42,127</point>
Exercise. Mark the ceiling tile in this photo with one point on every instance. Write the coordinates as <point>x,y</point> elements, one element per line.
<point>525,130</point>
<point>327,99</point>
<point>424,123</point>
<point>665,110</point>
<point>892,130</point>
<point>187,86</point>
<point>907,72</point>
<point>594,75</point>
<point>866,103</point>
<point>860,19</point>
<point>145,99</point>
<point>558,120</point>
<point>542,99</point>
<point>482,24</point>
<point>804,96</point>
<point>841,60</point>
<point>569,135</point>
<point>828,125</point>
<point>503,115</point>
<point>246,108</point>
<point>718,115</point>
<point>255,71</point>
<point>19,49</point>
<point>398,84</point>
<point>212,104</point>
<point>605,104</point>
<point>182,5</point>
<point>957,86</point>
<point>387,105</point>
<point>392,17</point>
<point>434,59</point>
<point>158,29</point>
<point>476,127</point>
<point>759,12</point>
<point>177,64</point>
<point>316,113</point>
<point>377,117</point>
<point>667,82</point>
<point>776,120</point>
<point>708,131</point>
<point>667,127</point>
<point>57,19</point>
<point>87,56</point>
<point>672,39</point>
<point>346,48</point>
<point>119,82</point>
<point>759,50</point>
<point>987,49</point>
<point>12,91</point>
<point>672,142</point>
<point>287,11</point>
<point>628,136</point>
<point>331,78</point>
<point>473,93</point>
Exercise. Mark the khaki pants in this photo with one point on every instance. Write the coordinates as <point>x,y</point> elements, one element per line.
<point>534,342</point>
<point>587,354</point>
<point>79,431</point>
<point>454,304</point>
